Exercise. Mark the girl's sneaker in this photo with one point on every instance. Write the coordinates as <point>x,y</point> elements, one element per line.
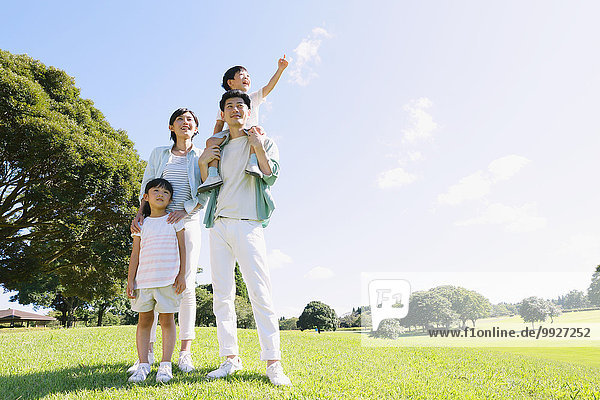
<point>140,374</point>
<point>165,373</point>
<point>136,364</point>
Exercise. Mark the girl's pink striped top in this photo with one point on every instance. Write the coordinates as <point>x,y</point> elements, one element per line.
<point>159,253</point>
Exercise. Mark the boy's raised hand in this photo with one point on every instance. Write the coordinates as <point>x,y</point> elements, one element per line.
<point>282,63</point>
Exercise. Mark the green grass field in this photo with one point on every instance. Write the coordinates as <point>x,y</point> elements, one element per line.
<point>90,363</point>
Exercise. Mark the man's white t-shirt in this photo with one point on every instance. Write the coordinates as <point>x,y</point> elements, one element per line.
<point>256,99</point>
<point>237,195</point>
<point>159,253</point>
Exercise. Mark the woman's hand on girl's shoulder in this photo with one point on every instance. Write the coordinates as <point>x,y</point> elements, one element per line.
<point>136,224</point>
<point>176,216</point>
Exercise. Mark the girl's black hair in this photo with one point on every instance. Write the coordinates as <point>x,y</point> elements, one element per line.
<point>160,183</point>
<point>177,113</point>
<point>230,74</point>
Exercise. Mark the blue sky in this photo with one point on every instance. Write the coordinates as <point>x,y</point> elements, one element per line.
<point>454,143</point>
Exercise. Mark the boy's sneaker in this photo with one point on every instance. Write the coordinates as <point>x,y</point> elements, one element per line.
<point>253,169</point>
<point>230,366</point>
<point>164,374</point>
<point>185,363</point>
<point>277,376</point>
<point>136,364</point>
<point>140,374</point>
<point>210,183</point>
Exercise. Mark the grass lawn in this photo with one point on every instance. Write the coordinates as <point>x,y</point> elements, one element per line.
<point>90,363</point>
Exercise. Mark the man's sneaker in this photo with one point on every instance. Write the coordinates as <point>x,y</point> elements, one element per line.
<point>210,183</point>
<point>185,363</point>
<point>140,374</point>
<point>136,364</point>
<point>253,169</point>
<point>230,366</point>
<point>164,374</point>
<point>277,376</point>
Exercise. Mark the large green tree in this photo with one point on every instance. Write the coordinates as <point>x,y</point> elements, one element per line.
<point>68,187</point>
<point>319,316</point>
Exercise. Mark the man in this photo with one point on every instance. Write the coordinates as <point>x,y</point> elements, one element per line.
<point>236,213</point>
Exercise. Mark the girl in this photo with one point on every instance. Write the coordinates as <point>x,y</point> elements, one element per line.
<point>156,277</point>
<point>178,163</point>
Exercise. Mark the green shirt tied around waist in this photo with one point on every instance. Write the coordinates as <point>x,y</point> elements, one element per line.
<point>264,200</point>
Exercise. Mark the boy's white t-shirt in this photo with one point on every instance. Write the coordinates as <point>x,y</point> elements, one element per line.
<point>237,195</point>
<point>159,253</point>
<point>256,99</point>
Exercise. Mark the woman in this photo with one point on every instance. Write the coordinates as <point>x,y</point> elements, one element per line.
<point>179,165</point>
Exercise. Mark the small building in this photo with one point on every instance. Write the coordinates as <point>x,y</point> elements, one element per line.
<point>11,316</point>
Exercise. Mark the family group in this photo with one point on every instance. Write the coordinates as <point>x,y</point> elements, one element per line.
<point>230,181</point>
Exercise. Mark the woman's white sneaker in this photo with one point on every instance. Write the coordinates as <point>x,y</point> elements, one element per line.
<point>229,366</point>
<point>277,376</point>
<point>185,363</point>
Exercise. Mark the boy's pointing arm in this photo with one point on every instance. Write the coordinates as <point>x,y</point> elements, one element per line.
<point>281,65</point>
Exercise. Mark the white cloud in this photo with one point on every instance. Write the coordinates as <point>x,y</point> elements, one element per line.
<point>422,123</point>
<point>415,156</point>
<point>514,219</point>
<point>319,274</point>
<point>395,178</point>
<point>307,57</point>
<point>474,186</point>
<point>479,184</point>
<point>318,31</point>
<point>506,167</point>
<point>278,259</point>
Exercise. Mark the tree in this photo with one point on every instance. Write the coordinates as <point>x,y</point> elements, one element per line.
<point>574,299</point>
<point>503,309</point>
<point>533,309</point>
<point>554,310</point>
<point>240,286</point>
<point>317,315</point>
<point>593,291</point>
<point>428,307</point>
<point>204,306</point>
<point>389,329</point>
<point>68,187</point>
<point>243,312</point>
<point>206,317</point>
<point>288,324</point>
<point>468,305</point>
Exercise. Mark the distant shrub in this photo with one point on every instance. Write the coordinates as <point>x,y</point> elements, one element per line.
<point>389,329</point>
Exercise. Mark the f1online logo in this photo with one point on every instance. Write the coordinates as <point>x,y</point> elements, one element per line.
<point>388,298</point>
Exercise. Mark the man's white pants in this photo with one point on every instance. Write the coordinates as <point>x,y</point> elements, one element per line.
<point>232,239</point>
<point>187,308</point>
